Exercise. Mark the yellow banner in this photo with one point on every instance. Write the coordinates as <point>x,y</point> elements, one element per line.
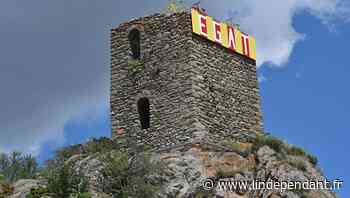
<point>223,34</point>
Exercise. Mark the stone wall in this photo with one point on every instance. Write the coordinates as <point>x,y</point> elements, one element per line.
<point>225,90</point>
<point>198,91</point>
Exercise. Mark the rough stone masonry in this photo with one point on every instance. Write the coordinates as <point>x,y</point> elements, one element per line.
<point>171,87</point>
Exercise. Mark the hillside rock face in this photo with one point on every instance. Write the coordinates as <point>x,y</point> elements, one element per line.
<point>187,171</point>
<point>197,171</point>
<point>22,187</point>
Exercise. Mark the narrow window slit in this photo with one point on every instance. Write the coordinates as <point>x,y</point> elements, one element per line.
<point>134,40</point>
<point>143,108</point>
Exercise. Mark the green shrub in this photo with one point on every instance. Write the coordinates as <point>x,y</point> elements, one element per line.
<point>2,178</point>
<point>64,182</point>
<point>274,143</point>
<point>236,146</point>
<point>312,159</point>
<point>225,174</point>
<point>66,153</point>
<point>204,194</point>
<point>128,177</point>
<point>300,152</point>
<point>293,150</point>
<point>82,195</point>
<point>16,165</point>
<point>243,149</point>
<point>175,6</point>
<point>93,146</point>
<point>102,145</point>
<point>37,192</point>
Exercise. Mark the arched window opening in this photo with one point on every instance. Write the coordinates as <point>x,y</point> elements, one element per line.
<point>134,40</point>
<point>144,112</point>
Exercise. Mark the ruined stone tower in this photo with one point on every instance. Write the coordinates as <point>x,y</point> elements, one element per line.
<point>172,87</point>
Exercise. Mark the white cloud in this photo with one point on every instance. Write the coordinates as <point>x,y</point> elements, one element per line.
<point>47,124</point>
<point>271,22</point>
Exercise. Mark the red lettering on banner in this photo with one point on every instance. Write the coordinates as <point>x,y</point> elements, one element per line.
<point>217,29</point>
<point>245,44</point>
<point>203,22</point>
<point>231,38</point>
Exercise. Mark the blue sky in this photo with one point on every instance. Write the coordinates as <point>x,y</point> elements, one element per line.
<point>54,71</point>
<point>307,101</point>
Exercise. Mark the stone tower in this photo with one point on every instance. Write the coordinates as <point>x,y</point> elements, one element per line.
<point>172,87</point>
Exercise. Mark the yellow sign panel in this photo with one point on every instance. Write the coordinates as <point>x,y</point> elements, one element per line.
<point>223,34</point>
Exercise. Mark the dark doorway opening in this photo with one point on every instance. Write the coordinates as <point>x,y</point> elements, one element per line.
<point>144,112</point>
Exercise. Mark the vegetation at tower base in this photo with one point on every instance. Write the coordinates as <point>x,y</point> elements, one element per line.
<point>100,168</point>
<point>130,177</point>
<point>17,165</point>
<point>175,6</point>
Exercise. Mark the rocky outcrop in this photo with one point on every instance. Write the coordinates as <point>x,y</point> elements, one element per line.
<point>185,172</point>
<point>187,169</point>
<point>22,187</point>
